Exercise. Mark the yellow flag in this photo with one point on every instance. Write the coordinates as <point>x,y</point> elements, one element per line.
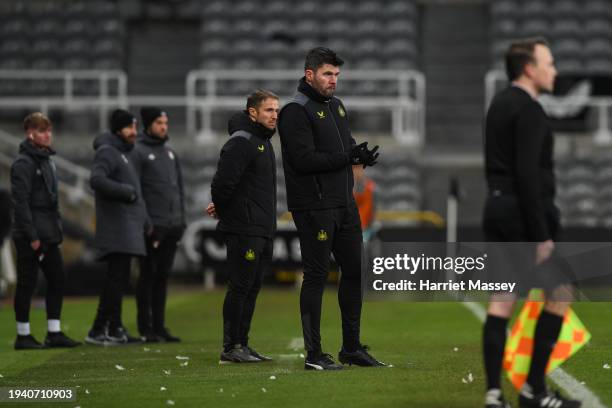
<point>519,347</point>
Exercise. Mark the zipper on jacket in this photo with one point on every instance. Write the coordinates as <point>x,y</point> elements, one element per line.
<point>342,144</point>
<point>318,187</point>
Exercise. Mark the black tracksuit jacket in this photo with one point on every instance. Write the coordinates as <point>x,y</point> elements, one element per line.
<point>316,140</point>
<point>244,186</point>
<point>35,196</point>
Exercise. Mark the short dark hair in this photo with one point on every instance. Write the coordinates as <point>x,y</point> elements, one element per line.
<point>320,56</point>
<point>257,97</point>
<point>519,54</point>
<point>36,121</point>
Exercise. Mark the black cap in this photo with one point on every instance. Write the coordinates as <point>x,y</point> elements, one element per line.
<point>121,118</point>
<point>149,115</point>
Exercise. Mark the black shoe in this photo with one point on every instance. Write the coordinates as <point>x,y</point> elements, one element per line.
<point>359,357</point>
<point>321,362</point>
<point>151,337</point>
<point>121,336</point>
<point>237,354</point>
<point>27,343</point>
<point>167,337</point>
<point>545,399</point>
<point>495,399</point>
<point>60,340</point>
<point>98,337</point>
<point>255,354</point>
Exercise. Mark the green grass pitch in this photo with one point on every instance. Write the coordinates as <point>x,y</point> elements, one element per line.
<point>432,347</point>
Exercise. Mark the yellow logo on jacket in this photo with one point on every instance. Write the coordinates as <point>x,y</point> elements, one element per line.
<point>341,111</point>
<point>250,255</point>
<point>322,235</point>
<point>260,148</point>
<point>321,114</point>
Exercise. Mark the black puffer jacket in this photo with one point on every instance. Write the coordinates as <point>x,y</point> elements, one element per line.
<point>244,186</point>
<point>121,219</point>
<point>161,181</point>
<point>316,141</point>
<point>35,198</point>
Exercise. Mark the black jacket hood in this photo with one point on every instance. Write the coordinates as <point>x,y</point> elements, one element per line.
<point>27,147</point>
<point>113,140</point>
<point>242,121</point>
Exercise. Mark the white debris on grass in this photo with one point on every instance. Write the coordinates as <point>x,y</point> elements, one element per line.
<point>87,392</point>
<point>118,367</point>
<point>146,349</point>
<point>273,377</point>
<point>1,376</point>
<point>264,390</point>
<point>606,366</point>
<point>220,389</point>
<point>456,349</point>
<point>301,355</point>
<point>182,358</point>
<point>469,379</point>
<point>185,364</point>
<point>167,372</point>
<point>162,388</point>
<point>170,402</point>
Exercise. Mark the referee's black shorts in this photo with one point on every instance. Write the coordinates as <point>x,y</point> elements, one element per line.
<point>511,254</point>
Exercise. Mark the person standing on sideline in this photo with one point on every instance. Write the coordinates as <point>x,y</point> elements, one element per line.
<point>121,223</point>
<point>318,151</point>
<point>520,208</point>
<point>37,233</point>
<point>243,192</point>
<point>161,181</point>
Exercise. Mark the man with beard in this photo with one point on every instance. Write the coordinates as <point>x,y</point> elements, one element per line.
<point>121,222</point>
<point>243,192</point>
<point>161,181</point>
<point>318,151</point>
<point>37,233</point>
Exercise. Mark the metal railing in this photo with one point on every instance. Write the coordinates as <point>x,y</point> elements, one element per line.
<point>103,99</point>
<point>407,108</point>
<point>602,136</point>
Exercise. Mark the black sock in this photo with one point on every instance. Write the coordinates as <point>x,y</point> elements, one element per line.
<point>493,344</point>
<point>311,355</point>
<point>544,340</point>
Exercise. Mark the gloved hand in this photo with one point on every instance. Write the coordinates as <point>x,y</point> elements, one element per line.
<point>359,154</point>
<point>372,157</point>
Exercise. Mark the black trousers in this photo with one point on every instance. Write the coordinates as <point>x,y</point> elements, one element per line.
<point>322,232</point>
<point>153,284</point>
<point>248,258</point>
<point>116,281</point>
<point>28,264</point>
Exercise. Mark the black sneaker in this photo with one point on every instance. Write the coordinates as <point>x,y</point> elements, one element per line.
<point>495,399</point>
<point>546,399</point>
<point>27,343</point>
<point>359,357</point>
<point>255,354</point>
<point>321,362</point>
<point>151,338</point>
<point>60,340</point>
<point>120,335</point>
<point>167,337</point>
<point>98,337</point>
<point>237,354</point>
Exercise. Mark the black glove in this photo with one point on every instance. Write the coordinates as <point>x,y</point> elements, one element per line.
<point>372,157</point>
<point>359,154</point>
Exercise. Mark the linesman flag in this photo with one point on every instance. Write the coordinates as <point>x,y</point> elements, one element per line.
<point>519,348</point>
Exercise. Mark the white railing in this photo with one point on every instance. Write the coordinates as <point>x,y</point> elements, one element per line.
<point>407,108</point>
<point>602,136</point>
<point>103,100</point>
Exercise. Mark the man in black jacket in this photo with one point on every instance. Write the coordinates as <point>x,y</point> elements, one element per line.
<point>37,233</point>
<point>243,192</point>
<point>318,151</point>
<point>520,208</point>
<point>161,181</point>
<point>121,222</point>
